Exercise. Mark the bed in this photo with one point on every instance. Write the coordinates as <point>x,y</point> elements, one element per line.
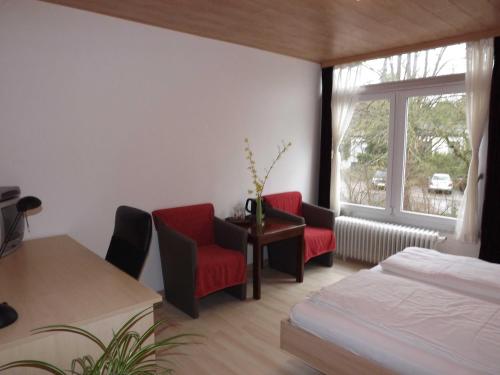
<point>385,322</point>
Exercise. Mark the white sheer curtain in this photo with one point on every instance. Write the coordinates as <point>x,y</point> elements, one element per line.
<point>345,88</point>
<point>477,90</point>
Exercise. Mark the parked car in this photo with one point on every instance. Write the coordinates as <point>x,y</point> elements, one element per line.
<point>379,179</point>
<point>440,182</point>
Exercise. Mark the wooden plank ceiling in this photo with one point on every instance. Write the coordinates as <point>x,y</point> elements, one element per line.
<point>324,31</point>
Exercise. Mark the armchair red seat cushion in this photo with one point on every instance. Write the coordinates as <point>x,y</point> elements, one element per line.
<point>317,240</point>
<point>216,267</point>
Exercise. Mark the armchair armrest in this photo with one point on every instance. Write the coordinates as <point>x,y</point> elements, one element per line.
<point>178,258</point>
<point>230,236</point>
<point>317,216</point>
<point>273,212</point>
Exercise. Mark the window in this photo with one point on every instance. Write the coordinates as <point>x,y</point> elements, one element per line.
<point>406,152</point>
<point>415,65</point>
<point>437,154</point>
<point>364,153</point>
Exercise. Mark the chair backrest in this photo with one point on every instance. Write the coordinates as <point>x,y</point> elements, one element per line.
<point>290,202</point>
<point>129,245</point>
<point>195,222</point>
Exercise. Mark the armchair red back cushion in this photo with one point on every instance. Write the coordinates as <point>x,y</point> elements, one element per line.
<point>290,202</point>
<point>195,222</point>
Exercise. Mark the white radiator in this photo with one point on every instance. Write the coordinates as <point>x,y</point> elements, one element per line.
<point>372,241</point>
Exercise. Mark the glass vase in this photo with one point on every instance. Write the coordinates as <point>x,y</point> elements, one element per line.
<point>259,215</point>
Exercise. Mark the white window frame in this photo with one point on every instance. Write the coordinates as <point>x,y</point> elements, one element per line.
<point>398,93</point>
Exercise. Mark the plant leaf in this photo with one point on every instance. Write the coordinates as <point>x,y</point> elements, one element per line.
<point>34,364</point>
<point>70,329</point>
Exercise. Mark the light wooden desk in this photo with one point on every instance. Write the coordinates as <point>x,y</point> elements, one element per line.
<point>56,280</point>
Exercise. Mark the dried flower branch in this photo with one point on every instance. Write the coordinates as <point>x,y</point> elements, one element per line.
<point>258,182</point>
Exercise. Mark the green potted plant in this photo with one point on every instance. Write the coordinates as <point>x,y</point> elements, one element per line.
<point>128,352</point>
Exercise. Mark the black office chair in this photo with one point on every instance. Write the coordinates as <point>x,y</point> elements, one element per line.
<point>130,242</point>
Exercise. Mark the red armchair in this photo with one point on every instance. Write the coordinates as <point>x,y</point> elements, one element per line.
<point>319,237</point>
<point>200,254</point>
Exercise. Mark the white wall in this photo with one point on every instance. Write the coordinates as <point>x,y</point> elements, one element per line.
<point>96,112</point>
<point>453,246</point>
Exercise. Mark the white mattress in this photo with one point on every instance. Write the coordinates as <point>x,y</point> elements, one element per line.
<point>464,274</point>
<point>406,326</point>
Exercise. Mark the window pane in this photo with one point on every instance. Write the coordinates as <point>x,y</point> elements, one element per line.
<point>437,154</point>
<point>364,154</point>
<point>422,64</point>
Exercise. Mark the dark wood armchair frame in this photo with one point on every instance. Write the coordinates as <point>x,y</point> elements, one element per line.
<point>179,260</point>
<point>282,255</point>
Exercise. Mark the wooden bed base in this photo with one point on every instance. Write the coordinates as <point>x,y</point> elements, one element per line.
<point>324,355</point>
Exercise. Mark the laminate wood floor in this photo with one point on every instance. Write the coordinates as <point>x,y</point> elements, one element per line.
<point>242,337</point>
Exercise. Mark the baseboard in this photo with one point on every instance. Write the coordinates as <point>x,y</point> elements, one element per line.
<point>250,265</point>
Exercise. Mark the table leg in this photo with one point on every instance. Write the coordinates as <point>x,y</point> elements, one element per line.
<point>257,270</point>
<point>300,259</point>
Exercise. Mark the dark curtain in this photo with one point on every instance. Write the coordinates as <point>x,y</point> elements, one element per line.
<point>325,156</point>
<point>490,227</point>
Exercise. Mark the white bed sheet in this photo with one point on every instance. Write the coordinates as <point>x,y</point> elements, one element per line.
<point>412,329</point>
<point>466,275</point>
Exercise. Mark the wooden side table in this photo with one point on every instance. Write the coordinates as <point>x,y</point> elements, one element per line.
<point>273,230</point>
